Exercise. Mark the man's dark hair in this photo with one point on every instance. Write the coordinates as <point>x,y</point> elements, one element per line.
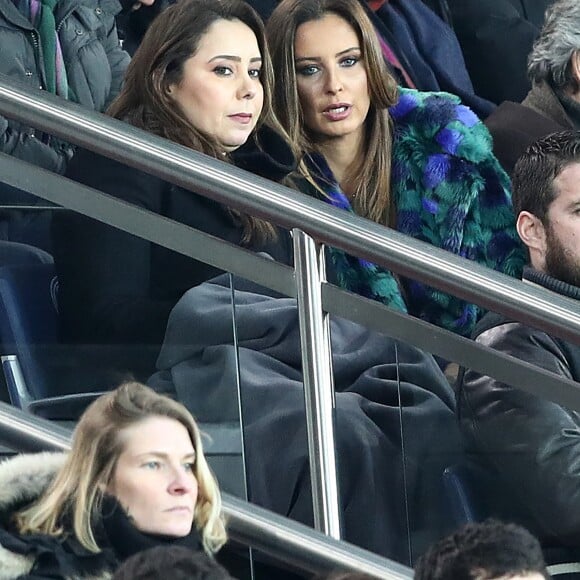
<point>175,562</point>
<point>484,551</point>
<point>535,171</point>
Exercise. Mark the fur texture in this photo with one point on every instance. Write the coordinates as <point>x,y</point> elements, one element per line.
<point>449,191</point>
<point>25,477</point>
<point>22,480</point>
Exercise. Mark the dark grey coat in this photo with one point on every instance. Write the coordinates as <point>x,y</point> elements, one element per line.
<point>94,61</point>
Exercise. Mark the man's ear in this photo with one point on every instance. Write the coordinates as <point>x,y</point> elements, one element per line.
<point>533,233</point>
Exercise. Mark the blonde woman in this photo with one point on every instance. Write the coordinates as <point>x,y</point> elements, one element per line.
<point>135,478</point>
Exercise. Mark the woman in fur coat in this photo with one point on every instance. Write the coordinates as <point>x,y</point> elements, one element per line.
<point>135,478</point>
<point>418,162</point>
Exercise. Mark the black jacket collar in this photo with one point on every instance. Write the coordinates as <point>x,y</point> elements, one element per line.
<point>550,283</point>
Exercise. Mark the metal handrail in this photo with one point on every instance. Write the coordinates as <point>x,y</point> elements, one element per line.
<point>265,199</point>
<point>283,539</point>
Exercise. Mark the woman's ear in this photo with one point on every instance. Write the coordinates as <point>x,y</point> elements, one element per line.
<point>533,233</point>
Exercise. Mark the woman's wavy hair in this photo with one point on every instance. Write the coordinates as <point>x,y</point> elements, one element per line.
<point>173,38</point>
<point>559,40</point>
<point>372,176</point>
<point>77,490</point>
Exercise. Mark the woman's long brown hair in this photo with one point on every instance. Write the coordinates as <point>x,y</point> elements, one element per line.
<point>371,176</point>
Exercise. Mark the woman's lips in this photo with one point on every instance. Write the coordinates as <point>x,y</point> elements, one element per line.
<point>242,118</point>
<point>337,112</point>
<point>180,509</point>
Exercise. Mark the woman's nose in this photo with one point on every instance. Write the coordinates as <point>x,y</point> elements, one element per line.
<point>181,482</point>
<point>333,81</point>
<point>247,88</point>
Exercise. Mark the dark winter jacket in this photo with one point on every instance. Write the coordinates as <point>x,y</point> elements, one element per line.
<point>117,289</point>
<point>94,62</point>
<point>531,445</point>
<point>496,37</point>
<point>428,49</point>
<point>133,24</point>
<point>515,126</point>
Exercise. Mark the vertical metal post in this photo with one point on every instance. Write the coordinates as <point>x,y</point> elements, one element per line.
<point>318,383</point>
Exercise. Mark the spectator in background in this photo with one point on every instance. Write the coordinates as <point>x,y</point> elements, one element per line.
<point>496,37</point>
<point>427,50</point>
<point>530,445</point>
<point>135,478</point>
<point>553,104</point>
<point>174,562</point>
<point>418,162</point>
<point>70,49</point>
<point>484,551</point>
<point>134,20</point>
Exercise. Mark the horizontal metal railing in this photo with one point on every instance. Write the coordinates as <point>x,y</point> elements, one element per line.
<point>263,198</point>
<point>282,539</point>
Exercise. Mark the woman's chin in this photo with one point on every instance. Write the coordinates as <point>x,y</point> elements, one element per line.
<point>173,531</point>
<point>235,142</point>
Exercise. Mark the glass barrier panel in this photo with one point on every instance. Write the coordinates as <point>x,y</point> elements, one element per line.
<point>272,407</point>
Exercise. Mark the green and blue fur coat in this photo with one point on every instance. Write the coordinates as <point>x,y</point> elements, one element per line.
<point>450,191</point>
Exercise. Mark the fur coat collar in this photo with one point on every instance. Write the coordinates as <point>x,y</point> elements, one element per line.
<point>23,479</point>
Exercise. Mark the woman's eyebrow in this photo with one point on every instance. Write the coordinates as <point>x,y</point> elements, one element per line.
<point>162,454</point>
<point>234,58</point>
<point>317,58</point>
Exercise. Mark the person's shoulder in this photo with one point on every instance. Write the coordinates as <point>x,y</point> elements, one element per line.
<point>441,119</point>
<point>107,174</point>
<point>517,339</point>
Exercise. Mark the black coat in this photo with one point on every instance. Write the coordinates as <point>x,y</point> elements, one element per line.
<point>496,37</point>
<point>515,126</point>
<point>117,289</point>
<point>531,445</point>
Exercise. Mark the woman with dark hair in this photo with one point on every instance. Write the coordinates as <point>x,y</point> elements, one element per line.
<point>202,78</point>
<point>418,162</point>
<point>135,478</point>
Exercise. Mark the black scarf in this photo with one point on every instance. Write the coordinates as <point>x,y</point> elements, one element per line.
<point>120,535</point>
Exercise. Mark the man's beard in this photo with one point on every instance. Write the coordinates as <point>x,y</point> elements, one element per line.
<point>560,263</point>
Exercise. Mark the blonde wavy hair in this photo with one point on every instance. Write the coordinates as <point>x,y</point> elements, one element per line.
<point>78,488</point>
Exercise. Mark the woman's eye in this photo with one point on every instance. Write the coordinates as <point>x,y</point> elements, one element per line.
<point>349,61</point>
<point>223,71</point>
<point>255,73</point>
<point>308,71</point>
<point>152,465</point>
<point>189,466</point>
